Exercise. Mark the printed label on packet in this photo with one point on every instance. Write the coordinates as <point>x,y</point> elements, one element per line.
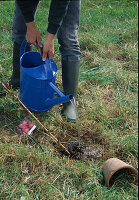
<point>26,127</point>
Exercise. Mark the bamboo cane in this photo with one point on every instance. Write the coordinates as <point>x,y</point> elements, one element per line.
<point>53,137</point>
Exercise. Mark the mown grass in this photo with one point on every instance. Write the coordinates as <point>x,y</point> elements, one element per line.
<point>107,108</point>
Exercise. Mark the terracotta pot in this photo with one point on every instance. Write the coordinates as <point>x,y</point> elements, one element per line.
<point>112,165</point>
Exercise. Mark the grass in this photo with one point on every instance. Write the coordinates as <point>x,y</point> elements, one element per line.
<point>107,108</point>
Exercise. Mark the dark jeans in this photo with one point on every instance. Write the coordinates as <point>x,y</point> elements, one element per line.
<point>67,34</point>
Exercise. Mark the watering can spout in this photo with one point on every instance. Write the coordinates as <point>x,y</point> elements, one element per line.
<point>58,100</point>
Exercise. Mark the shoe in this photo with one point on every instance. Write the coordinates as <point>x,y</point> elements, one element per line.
<point>14,81</point>
<point>15,78</point>
<point>70,75</point>
<point>69,111</point>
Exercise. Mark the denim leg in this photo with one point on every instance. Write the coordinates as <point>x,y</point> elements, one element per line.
<point>68,33</point>
<point>19,27</point>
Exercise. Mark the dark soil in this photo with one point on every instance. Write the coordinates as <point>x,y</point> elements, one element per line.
<point>82,152</point>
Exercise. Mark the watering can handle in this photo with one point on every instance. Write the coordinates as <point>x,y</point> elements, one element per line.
<point>23,48</point>
<point>41,48</point>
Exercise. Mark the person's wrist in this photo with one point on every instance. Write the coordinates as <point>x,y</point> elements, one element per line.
<point>50,36</point>
<point>30,25</point>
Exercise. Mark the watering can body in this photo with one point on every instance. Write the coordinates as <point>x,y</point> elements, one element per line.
<point>37,82</point>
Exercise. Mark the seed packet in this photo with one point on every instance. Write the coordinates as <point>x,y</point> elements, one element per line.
<point>26,127</point>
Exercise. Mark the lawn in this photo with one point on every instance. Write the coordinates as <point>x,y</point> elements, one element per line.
<point>107,110</point>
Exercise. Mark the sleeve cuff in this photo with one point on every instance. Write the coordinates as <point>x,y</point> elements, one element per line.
<point>29,18</point>
<point>52,28</point>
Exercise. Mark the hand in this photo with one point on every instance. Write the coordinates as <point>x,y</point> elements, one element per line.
<point>48,46</point>
<point>33,34</point>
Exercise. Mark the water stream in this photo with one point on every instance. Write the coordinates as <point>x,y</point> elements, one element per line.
<point>73,103</point>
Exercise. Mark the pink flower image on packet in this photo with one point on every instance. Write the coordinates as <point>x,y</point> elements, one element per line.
<point>26,127</point>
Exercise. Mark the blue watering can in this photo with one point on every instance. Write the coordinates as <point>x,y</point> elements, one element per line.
<point>37,82</point>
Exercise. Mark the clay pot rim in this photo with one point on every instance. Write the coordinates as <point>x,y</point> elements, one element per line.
<point>123,167</point>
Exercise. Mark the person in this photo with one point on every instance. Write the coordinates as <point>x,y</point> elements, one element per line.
<point>63,21</point>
